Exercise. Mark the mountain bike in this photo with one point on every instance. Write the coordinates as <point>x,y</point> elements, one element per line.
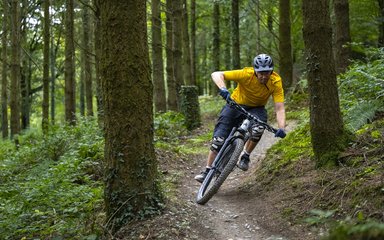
<point>226,159</point>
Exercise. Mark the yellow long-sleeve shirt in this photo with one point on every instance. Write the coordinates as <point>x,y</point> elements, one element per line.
<point>250,91</point>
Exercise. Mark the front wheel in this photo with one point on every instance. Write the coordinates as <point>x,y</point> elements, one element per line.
<point>215,178</point>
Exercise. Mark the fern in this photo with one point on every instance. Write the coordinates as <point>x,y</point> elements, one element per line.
<point>362,113</point>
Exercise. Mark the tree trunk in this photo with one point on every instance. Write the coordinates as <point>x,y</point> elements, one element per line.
<point>88,77</point>
<point>45,104</point>
<point>235,35</point>
<point>381,25</point>
<point>215,44</point>
<point>131,177</point>
<point>171,81</point>
<point>342,35</point>
<point>54,50</point>
<point>285,47</point>
<point>325,118</point>
<point>82,84</point>
<point>193,41</point>
<point>15,68</point>
<point>26,67</point>
<point>69,74</point>
<point>177,9</point>
<point>186,47</point>
<point>157,59</point>
<point>4,71</point>
<point>97,48</point>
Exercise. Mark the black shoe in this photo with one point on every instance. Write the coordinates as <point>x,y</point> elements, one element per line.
<point>244,162</point>
<point>200,177</point>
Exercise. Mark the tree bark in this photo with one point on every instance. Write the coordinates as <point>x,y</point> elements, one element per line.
<point>97,48</point>
<point>15,68</point>
<point>325,117</point>
<point>193,41</point>
<point>187,72</point>
<point>157,59</point>
<point>4,71</point>
<point>342,35</point>
<point>88,76</point>
<point>131,176</point>
<point>171,81</point>
<point>45,104</point>
<point>177,9</point>
<point>26,66</point>
<point>69,74</point>
<point>285,46</point>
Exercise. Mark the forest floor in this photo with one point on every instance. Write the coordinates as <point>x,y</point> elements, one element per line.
<point>250,206</point>
<point>235,212</point>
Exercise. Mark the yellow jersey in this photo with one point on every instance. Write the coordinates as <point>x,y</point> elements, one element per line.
<point>250,91</point>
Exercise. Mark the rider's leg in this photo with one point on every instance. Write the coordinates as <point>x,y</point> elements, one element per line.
<point>257,132</point>
<point>228,118</point>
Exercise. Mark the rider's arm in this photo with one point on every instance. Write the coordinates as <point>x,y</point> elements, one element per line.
<point>218,78</point>
<point>280,114</point>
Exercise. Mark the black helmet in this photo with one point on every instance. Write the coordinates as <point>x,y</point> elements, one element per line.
<point>263,62</point>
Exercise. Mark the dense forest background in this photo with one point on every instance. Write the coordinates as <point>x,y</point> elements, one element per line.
<point>82,80</point>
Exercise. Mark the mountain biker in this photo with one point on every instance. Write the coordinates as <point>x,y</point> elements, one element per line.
<point>254,87</point>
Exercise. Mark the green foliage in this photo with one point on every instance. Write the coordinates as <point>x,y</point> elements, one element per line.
<point>169,126</point>
<point>211,106</point>
<point>319,216</point>
<point>362,89</point>
<point>49,186</point>
<point>362,230</point>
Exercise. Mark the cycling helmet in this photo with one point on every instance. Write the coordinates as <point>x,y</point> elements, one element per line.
<point>263,62</point>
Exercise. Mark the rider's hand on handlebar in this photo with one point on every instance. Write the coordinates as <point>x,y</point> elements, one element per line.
<point>224,93</point>
<point>280,133</point>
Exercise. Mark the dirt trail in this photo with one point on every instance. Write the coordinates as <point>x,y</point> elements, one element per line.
<point>233,213</point>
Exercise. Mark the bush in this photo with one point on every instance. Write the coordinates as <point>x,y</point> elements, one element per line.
<point>362,89</point>
<point>49,185</point>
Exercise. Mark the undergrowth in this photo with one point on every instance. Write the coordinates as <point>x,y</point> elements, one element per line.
<point>50,185</point>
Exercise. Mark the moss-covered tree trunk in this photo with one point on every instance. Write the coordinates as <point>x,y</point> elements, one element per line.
<point>177,46</point>
<point>45,104</point>
<point>189,106</point>
<point>15,68</point>
<point>4,71</point>
<point>97,49</point>
<point>131,189</point>
<point>157,59</point>
<point>285,46</point>
<point>187,71</point>
<point>342,35</point>
<point>325,117</point>
<point>171,81</point>
<point>88,76</point>
<point>69,72</point>
<point>193,41</point>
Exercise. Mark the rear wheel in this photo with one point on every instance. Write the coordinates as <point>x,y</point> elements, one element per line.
<point>216,176</point>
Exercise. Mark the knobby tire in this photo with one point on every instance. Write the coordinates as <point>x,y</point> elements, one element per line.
<point>209,188</point>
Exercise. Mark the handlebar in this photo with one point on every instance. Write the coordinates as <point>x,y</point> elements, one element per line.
<point>249,116</point>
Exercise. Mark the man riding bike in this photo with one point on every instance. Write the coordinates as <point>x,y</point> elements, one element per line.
<point>254,87</point>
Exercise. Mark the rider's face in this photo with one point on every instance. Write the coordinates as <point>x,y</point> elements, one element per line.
<point>263,77</point>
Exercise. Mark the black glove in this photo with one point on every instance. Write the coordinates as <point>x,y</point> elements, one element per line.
<point>280,133</point>
<point>224,93</point>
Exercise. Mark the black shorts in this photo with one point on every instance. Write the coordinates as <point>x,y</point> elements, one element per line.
<point>230,117</point>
